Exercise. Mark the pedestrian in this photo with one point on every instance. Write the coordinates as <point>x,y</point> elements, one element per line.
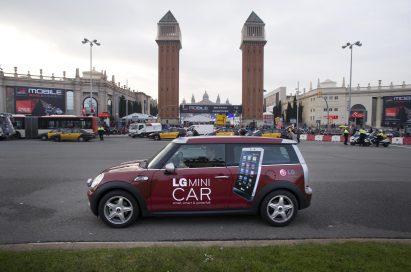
<point>345,133</point>
<point>298,132</point>
<point>101,131</point>
<point>363,134</point>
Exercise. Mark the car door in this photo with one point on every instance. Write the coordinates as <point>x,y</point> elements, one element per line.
<point>200,182</point>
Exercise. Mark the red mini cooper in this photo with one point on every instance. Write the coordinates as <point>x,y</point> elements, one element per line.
<point>203,175</point>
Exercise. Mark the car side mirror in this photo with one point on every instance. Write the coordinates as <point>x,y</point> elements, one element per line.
<point>170,168</point>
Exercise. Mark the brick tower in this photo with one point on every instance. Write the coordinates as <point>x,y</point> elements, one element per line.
<point>252,47</point>
<point>169,45</point>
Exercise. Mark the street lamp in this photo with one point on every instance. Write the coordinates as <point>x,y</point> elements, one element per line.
<point>350,45</point>
<point>91,43</point>
<point>296,98</point>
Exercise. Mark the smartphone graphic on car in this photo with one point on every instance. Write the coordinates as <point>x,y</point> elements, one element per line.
<point>249,172</point>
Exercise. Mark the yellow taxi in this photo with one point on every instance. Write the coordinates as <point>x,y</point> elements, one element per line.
<point>49,135</point>
<point>170,133</point>
<point>270,133</point>
<point>225,132</point>
<point>73,134</point>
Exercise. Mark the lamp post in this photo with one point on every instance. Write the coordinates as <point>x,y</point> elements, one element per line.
<point>350,45</point>
<point>91,43</point>
<point>296,97</point>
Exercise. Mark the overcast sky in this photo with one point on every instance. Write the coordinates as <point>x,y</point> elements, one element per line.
<point>304,39</point>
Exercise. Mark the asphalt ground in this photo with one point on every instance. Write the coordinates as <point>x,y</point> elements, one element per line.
<point>359,192</point>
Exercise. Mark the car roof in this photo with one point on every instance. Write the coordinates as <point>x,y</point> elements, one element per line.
<point>231,139</point>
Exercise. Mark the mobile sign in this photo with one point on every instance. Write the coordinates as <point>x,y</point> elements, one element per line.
<point>250,168</point>
<point>39,101</point>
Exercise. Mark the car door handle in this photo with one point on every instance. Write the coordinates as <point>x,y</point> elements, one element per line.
<point>222,177</point>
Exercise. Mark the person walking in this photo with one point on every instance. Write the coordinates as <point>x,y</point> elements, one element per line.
<point>298,132</point>
<point>345,133</point>
<point>363,134</point>
<point>101,131</point>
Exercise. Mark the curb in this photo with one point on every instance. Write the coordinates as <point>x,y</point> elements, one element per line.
<point>237,243</point>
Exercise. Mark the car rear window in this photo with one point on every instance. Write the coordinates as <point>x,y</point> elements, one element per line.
<point>273,154</point>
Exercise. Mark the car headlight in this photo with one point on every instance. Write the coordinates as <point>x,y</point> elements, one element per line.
<point>96,181</point>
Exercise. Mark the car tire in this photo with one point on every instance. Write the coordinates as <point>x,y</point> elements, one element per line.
<point>56,139</point>
<point>279,208</point>
<point>44,137</point>
<point>81,139</point>
<point>118,209</point>
<point>157,137</point>
<point>352,143</point>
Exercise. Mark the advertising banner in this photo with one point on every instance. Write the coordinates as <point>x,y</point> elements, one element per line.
<point>396,110</point>
<point>40,101</point>
<point>211,109</point>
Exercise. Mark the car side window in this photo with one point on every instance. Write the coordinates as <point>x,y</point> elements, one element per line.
<point>273,154</point>
<point>199,156</point>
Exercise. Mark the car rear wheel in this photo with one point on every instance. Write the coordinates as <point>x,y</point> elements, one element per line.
<point>56,138</point>
<point>81,139</point>
<point>279,208</point>
<point>118,209</point>
<point>157,137</point>
<point>44,137</point>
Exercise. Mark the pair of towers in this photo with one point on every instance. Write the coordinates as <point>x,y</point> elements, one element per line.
<point>252,47</point>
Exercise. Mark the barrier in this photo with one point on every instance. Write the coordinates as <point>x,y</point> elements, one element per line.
<point>318,138</point>
<point>339,138</point>
<point>327,138</point>
<point>397,140</point>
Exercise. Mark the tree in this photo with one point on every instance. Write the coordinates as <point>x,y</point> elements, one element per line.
<point>122,106</point>
<point>153,109</point>
<point>294,109</point>
<point>300,113</point>
<point>288,113</point>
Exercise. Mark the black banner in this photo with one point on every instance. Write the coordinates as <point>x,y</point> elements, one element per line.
<point>40,101</point>
<point>396,110</point>
<point>211,109</point>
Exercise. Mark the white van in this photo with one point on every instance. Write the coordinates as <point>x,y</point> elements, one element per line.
<point>143,129</point>
<point>202,129</point>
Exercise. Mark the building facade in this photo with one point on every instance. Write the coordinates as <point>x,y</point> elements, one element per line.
<point>252,47</point>
<point>44,95</point>
<point>169,46</point>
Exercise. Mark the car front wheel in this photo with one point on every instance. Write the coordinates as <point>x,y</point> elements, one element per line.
<point>81,139</point>
<point>157,137</point>
<point>279,208</point>
<point>118,209</point>
<point>44,137</point>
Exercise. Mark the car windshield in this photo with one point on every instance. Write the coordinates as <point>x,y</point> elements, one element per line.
<point>151,163</point>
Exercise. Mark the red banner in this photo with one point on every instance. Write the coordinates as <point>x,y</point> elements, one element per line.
<point>357,114</point>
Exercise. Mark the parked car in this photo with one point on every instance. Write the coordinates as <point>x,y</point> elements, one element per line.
<point>73,134</point>
<point>170,133</point>
<point>203,175</point>
<point>49,135</point>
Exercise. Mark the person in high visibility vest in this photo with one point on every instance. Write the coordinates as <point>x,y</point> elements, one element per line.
<point>380,137</point>
<point>345,133</point>
<point>100,131</point>
<point>363,134</point>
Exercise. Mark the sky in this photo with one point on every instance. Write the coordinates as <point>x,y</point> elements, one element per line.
<point>304,39</point>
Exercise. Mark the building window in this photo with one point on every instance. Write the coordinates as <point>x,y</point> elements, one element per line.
<point>336,97</point>
<point>325,109</point>
<point>331,97</point>
<point>335,109</point>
